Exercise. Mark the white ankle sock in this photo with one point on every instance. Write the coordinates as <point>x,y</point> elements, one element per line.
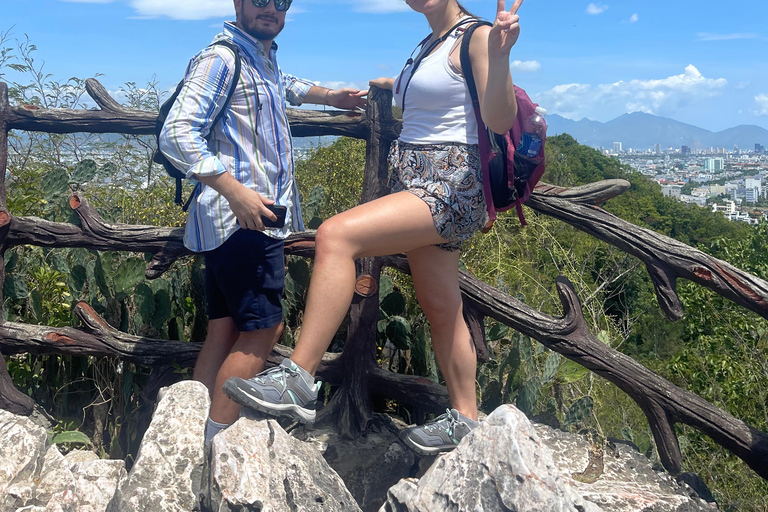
<point>212,428</point>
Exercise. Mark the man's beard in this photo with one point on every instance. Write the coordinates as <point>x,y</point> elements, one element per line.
<point>261,33</point>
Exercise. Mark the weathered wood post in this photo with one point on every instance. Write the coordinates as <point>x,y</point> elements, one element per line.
<point>350,409</point>
<point>11,399</point>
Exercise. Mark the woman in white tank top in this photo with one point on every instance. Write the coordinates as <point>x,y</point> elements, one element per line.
<point>435,204</point>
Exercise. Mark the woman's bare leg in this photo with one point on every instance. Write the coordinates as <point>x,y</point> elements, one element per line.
<point>435,274</point>
<point>392,224</point>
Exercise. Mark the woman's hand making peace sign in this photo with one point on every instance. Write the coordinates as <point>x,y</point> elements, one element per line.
<point>506,28</point>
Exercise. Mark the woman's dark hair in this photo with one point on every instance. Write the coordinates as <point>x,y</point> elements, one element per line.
<point>464,9</point>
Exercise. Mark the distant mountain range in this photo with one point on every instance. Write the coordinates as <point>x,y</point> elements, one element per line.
<point>642,131</point>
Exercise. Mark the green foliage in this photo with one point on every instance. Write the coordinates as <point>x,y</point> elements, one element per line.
<point>338,169</point>
<point>717,350</point>
<point>71,437</point>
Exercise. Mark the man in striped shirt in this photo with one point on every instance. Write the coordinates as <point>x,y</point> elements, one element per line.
<point>242,165</point>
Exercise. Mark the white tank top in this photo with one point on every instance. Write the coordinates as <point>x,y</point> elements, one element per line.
<point>438,105</point>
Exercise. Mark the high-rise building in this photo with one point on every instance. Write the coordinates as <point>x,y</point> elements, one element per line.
<point>714,164</point>
<point>685,150</point>
<point>759,148</point>
<point>658,149</point>
<point>617,147</point>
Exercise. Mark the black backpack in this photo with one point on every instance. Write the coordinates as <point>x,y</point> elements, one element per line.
<point>159,157</point>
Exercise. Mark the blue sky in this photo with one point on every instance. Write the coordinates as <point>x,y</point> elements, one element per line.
<point>700,62</point>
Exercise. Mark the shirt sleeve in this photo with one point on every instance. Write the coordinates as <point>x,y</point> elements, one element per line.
<point>296,89</point>
<point>203,95</point>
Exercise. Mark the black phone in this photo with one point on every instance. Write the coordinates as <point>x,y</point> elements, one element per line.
<point>278,210</point>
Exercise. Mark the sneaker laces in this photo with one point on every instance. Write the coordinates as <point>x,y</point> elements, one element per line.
<point>277,374</point>
<point>436,424</point>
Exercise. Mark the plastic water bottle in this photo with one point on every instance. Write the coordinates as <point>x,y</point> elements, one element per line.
<point>534,131</point>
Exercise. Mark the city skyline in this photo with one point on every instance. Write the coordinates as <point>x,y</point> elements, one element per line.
<point>693,62</point>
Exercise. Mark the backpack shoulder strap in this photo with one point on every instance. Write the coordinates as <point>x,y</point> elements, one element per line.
<point>466,63</point>
<point>235,77</point>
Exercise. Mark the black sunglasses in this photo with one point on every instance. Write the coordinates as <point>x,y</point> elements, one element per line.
<point>280,5</point>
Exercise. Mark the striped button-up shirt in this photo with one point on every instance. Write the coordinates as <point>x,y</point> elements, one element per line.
<point>252,141</point>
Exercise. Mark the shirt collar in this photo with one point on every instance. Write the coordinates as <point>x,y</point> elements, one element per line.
<point>244,39</point>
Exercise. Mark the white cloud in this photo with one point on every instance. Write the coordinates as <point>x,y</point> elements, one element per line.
<point>184,9</point>
<point>762,105</point>
<point>596,8</point>
<point>606,101</point>
<point>707,36</point>
<point>340,85</point>
<point>633,18</point>
<point>525,66</point>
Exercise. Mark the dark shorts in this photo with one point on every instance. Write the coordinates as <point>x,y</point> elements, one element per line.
<point>244,279</point>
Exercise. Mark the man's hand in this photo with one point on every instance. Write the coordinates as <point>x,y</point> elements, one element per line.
<point>346,99</point>
<point>248,207</point>
<point>246,204</point>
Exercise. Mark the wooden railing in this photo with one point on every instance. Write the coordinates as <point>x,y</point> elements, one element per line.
<point>355,370</point>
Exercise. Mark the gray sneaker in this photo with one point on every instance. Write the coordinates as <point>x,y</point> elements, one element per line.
<point>439,435</point>
<point>285,390</point>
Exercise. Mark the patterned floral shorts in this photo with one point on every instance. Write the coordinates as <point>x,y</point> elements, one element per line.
<point>448,178</point>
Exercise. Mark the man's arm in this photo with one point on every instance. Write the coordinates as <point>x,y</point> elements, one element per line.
<point>300,91</point>
<point>345,99</point>
<point>182,139</point>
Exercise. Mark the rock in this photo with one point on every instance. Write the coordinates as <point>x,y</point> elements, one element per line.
<point>256,465</point>
<point>368,465</point>
<point>620,478</point>
<point>22,448</point>
<point>96,482</point>
<point>167,474</point>
<point>81,456</point>
<point>502,465</point>
<point>56,479</point>
<point>44,480</point>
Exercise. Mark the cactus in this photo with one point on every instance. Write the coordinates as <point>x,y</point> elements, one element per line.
<point>59,262</point>
<point>385,286</point>
<point>15,287</point>
<point>162,309</point>
<point>144,300</point>
<point>77,278</point>
<point>496,331</point>
<point>398,331</point>
<point>314,204</point>
<point>55,184</point>
<point>492,395</point>
<point>108,170</point>
<point>579,410</point>
<point>298,270</point>
<point>393,304</point>
<point>11,262</point>
<point>550,368</point>
<point>100,278</point>
<point>36,301</point>
<point>529,395</point>
<point>570,372</point>
<point>129,273</point>
<point>526,349</point>
<point>84,172</point>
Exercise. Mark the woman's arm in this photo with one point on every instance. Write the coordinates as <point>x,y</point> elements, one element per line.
<point>383,82</point>
<point>489,53</point>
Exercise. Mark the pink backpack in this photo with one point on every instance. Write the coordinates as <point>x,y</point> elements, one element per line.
<point>508,177</point>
